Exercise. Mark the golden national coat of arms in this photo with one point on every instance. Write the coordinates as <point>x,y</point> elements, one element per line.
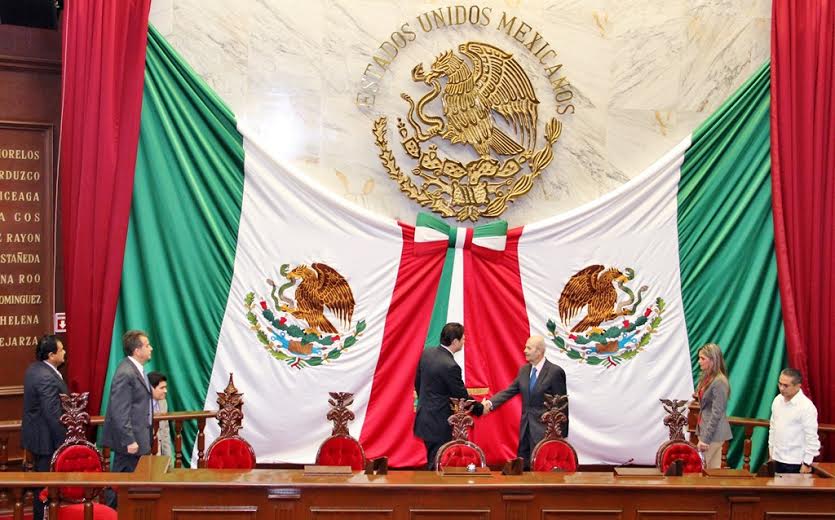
<point>483,83</point>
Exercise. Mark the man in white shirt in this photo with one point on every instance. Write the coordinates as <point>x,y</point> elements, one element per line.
<point>793,430</point>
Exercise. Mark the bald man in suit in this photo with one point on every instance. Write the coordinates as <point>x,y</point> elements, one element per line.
<point>536,378</point>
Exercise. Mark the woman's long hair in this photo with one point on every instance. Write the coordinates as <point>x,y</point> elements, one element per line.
<point>713,352</point>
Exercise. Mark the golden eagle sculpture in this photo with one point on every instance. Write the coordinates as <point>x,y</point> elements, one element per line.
<point>321,286</point>
<point>497,83</point>
<point>593,288</point>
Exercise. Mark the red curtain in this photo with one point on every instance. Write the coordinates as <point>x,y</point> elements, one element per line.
<point>103,68</point>
<point>803,186</point>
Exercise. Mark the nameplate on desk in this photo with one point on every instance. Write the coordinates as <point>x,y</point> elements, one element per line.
<point>464,472</point>
<point>793,476</point>
<point>327,470</point>
<point>638,472</point>
<point>728,473</point>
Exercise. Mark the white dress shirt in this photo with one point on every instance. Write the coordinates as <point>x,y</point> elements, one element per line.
<point>141,369</point>
<point>539,366</point>
<point>793,430</point>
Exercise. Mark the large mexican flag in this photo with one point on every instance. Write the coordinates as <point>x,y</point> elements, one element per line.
<point>236,263</point>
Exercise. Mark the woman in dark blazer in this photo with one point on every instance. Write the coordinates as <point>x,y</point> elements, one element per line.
<point>713,391</point>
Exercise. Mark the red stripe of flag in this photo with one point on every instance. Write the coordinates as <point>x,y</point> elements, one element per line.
<point>497,327</point>
<point>387,430</point>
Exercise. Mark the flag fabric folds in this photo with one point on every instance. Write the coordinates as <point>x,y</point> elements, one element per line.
<point>237,263</point>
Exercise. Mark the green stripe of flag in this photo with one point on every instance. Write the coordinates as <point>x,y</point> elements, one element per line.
<point>492,229</point>
<point>440,311</point>
<point>183,227</point>
<point>428,221</point>
<point>726,247</point>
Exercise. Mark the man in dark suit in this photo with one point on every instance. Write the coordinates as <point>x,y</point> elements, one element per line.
<point>127,423</point>
<point>536,378</point>
<point>41,429</point>
<point>438,378</point>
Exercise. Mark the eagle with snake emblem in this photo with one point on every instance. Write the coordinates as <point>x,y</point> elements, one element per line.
<point>494,83</point>
<point>593,289</point>
<point>321,287</point>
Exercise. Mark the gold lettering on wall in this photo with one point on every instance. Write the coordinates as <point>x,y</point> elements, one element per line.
<point>19,319</point>
<point>25,155</point>
<point>449,18</point>
<point>18,341</point>
<point>25,234</point>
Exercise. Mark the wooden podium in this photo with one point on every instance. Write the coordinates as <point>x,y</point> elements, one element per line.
<point>157,491</point>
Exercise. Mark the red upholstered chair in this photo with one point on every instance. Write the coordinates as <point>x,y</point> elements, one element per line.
<point>230,450</point>
<point>553,453</point>
<point>340,449</point>
<point>677,448</point>
<point>459,452</point>
<point>77,454</point>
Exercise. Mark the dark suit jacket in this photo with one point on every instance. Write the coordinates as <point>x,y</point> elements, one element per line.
<point>41,428</point>
<point>128,417</point>
<point>438,378</point>
<point>550,381</point>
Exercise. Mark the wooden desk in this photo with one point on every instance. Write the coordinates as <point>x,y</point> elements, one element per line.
<point>826,469</point>
<point>157,492</point>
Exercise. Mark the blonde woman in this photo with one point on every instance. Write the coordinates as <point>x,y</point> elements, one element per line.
<point>713,391</point>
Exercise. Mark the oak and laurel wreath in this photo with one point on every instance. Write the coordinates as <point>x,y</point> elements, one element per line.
<point>297,332</point>
<point>609,334</point>
<point>433,199</point>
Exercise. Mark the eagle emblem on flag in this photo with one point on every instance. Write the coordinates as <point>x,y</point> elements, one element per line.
<point>312,324</point>
<point>596,325</point>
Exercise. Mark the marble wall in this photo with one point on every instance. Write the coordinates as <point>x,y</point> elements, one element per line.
<point>644,74</point>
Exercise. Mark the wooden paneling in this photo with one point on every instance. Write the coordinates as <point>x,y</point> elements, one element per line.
<point>743,507</point>
<point>582,514</point>
<point>449,514</point>
<point>516,505</point>
<point>799,516</point>
<point>155,491</point>
<point>214,512</point>
<point>30,109</point>
<point>321,513</point>
<point>676,515</point>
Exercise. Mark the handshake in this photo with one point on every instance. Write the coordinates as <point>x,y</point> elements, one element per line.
<point>473,405</point>
<point>488,406</point>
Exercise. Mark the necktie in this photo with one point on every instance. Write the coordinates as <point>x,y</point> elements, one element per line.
<point>533,379</point>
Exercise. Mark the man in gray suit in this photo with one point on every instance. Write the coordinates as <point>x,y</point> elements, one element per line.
<point>41,429</point>
<point>127,423</point>
<point>536,378</point>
